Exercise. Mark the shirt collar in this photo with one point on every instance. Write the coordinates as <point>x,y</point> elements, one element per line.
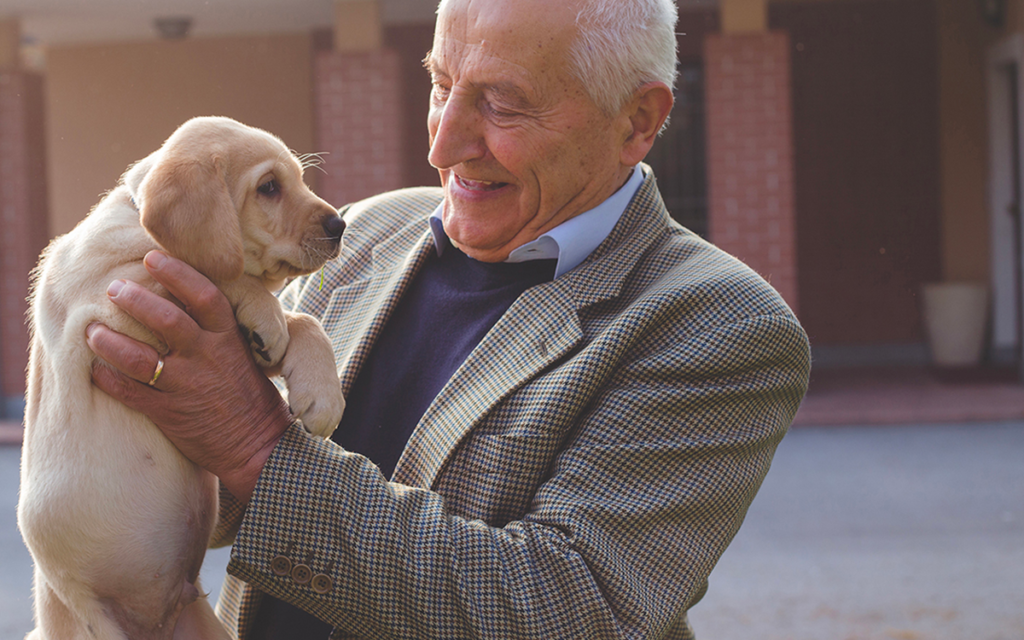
<point>573,240</point>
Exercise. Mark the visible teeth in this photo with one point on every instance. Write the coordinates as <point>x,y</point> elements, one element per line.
<point>475,185</point>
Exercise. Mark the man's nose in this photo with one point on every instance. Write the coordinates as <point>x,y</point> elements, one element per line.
<point>459,136</point>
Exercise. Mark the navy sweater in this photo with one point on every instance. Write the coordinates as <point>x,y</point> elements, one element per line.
<point>453,302</point>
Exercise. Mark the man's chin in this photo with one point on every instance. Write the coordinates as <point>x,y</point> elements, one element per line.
<point>481,248</point>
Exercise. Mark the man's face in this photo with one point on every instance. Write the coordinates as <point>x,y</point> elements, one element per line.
<point>519,145</point>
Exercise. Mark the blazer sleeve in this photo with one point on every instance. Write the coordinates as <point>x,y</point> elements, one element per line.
<point>647,490</point>
<point>229,518</point>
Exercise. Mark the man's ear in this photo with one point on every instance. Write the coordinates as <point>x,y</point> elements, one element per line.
<point>647,112</point>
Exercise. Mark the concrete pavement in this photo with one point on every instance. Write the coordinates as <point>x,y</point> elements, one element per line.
<point>889,533</point>
<point>905,533</point>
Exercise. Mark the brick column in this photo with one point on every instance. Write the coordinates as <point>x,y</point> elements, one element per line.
<point>23,217</point>
<point>751,210</point>
<point>358,120</point>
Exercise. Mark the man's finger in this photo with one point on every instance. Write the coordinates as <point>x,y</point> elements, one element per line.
<point>136,360</point>
<point>202,299</point>
<point>166,320</point>
<point>121,388</point>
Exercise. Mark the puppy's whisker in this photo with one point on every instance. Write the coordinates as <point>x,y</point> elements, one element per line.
<point>315,256</point>
<point>345,251</point>
<point>314,160</point>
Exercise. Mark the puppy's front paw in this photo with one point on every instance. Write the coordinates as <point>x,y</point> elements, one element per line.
<point>319,409</point>
<point>314,390</point>
<point>266,352</point>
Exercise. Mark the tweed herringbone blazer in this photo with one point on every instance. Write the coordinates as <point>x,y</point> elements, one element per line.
<point>578,477</point>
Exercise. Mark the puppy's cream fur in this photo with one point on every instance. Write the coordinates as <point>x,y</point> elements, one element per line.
<point>116,519</point>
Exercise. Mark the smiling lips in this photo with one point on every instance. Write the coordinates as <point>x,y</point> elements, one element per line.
<point>477,185</point>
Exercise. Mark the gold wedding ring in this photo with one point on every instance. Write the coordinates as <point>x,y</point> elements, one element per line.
<point>159,370</point>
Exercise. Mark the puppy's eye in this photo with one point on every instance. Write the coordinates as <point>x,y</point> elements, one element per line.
<point>269,188</point>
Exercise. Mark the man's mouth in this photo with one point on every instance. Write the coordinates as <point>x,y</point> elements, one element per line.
<point>477,185</point>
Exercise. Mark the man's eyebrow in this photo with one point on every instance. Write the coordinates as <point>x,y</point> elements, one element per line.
<point>511,92</point>
<point>505,90</point>
<point>430,64</point>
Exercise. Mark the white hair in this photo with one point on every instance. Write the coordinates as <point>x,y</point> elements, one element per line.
<point>622,45</point>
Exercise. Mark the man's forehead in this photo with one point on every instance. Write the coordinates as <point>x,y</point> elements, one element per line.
<point>528,23</point>
<point>450,52</point>
<point>469,31</point>
<point>545,8</point>
<point>507,79</point>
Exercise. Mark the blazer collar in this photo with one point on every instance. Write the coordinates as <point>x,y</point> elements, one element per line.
<point>602,274</point>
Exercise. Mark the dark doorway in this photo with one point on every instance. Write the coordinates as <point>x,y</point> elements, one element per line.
<point>866,149</point>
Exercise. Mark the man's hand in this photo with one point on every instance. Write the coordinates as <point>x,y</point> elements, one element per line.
<point>211,400</point>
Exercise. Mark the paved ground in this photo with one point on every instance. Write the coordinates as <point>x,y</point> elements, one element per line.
<point>905,533</point>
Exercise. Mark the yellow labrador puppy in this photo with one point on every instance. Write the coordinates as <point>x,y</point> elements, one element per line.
<point>117,520</point>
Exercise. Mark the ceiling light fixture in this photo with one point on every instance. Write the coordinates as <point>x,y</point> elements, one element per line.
<point>173,27</point>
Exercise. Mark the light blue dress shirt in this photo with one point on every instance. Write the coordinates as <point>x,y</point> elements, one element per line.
<point>573,240</point>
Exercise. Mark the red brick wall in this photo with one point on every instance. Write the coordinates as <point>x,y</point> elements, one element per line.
<point>358,124</point>
<point>23,219</point>
<point>750,154</point>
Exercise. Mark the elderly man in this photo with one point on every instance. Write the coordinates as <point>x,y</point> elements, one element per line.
<point>561,403</point>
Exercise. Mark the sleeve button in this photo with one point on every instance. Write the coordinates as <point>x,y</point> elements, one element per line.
<point>302,574</point>
<point>322,584</point>
<point>281,566</point>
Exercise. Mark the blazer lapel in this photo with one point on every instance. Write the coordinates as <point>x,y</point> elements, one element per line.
<point>358,311</point>
<point>538,329</point>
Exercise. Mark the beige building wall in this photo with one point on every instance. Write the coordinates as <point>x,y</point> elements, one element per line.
<point>963,43</point>
<point>109,105</point>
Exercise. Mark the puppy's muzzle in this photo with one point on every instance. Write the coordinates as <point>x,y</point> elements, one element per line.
<point>333,226</point>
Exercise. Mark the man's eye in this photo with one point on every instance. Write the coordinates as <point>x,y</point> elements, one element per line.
<point>441,92</point>
<point>269,188</point>
<point>499,113</point>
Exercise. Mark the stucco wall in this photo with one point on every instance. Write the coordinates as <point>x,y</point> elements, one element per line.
<point>963,43</point>
<point>109,105</point>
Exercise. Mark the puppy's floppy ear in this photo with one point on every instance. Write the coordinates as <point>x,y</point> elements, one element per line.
<point>133,177</point>
<point>187,208</point>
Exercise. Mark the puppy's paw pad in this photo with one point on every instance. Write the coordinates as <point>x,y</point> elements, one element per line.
<point>265,356</point>
<point>256,339</point>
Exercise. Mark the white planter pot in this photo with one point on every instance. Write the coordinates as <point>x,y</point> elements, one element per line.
<point>955,314</point>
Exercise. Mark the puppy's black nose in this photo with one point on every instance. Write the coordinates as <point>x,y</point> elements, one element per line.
<point>334,226</point>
